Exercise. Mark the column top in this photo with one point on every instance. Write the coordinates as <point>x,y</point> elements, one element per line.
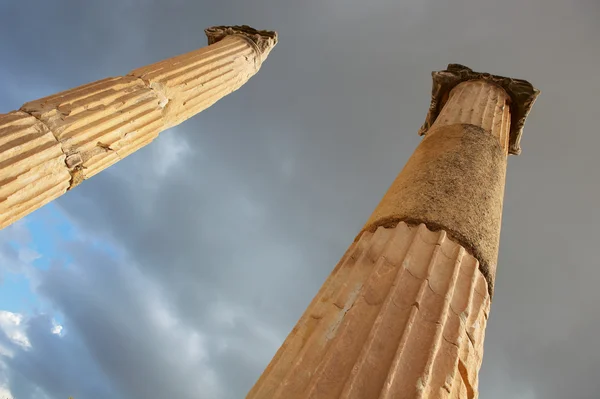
<point>521,92</point>
<point>264,40</point>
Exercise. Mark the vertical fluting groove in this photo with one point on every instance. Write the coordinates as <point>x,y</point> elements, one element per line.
<point>211,92</point>
<point>193,60</point>
<point>73,135</point>
<point>93,121</point>
<point>434,386</point>
<point>441,365</point>
<point>406,313</point>
<point>450,118</point>
<point>32,166</point>
<point>505,125</point>
<point>465,380</point>
<point>455,332</point>
<point>495,115</point>
<point>402,372</point>
<point>490,103</point>
<point>481,104</point>
<point>311,355</point>
<point>339,359</point>
<point>39,196</point>
<point>472,352</point>
<point>178,70</point>
<point>192,82</point>
<point>368,374</point>
<point>304,329</point>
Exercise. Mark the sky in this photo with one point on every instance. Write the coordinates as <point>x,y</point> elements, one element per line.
<point>180,270</point>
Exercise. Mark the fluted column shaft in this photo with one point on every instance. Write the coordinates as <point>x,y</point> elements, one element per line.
<point>403,314</point>
<point>480,104</point>
<point>455,178</point>
<point>52,144</point>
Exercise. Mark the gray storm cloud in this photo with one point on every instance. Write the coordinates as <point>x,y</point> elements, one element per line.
<point>226,226</point>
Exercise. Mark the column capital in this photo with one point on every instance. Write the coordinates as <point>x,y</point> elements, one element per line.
<point>521,92</point>
<point>263,40</point>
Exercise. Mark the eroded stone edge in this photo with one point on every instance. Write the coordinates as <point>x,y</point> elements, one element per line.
<point>521,92</point>
<point>73,161</point>
<point>263,41</point>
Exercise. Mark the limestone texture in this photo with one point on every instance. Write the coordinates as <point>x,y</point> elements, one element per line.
<point>522,97</point>
<point>52,144</point>
<point>99,123</point>
<point>192,82</point>
<point>480,104</point>
<point>455,178</point>
<point>32,166</point>
<point>402,315</point>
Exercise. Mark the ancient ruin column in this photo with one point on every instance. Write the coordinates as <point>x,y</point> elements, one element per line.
<point>403,314</point>
<point>52,144</point>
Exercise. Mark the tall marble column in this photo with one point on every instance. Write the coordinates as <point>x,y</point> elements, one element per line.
<point>403,314</point>
<point>52,144</point>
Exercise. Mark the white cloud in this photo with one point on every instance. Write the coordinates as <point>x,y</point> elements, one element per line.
<point>11,324</point>
<point>5,393</point>
<point>28,255</point>
<point>56,328</point>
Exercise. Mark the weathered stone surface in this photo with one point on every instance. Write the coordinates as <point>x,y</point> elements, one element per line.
<point>521,93</point>
<point>401,316</point>
<point>97,124</point>
<point>455,179</point>
<point>32,166</point>
<point>481,104</point>
<point>264,40</point>
<point>194,81</point>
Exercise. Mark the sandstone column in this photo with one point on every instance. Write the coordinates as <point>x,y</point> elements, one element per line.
<point>52,144</point>
<point>403,314</point>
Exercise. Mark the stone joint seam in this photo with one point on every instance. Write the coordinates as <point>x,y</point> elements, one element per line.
<point>163,99</point>
<point>75,172</point>
<point>456,237</point>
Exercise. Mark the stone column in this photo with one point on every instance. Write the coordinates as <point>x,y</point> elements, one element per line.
<point>52,144</point>
<point>403,314</point>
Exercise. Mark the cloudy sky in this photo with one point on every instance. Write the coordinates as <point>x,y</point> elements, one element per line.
<point>178,272</point>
